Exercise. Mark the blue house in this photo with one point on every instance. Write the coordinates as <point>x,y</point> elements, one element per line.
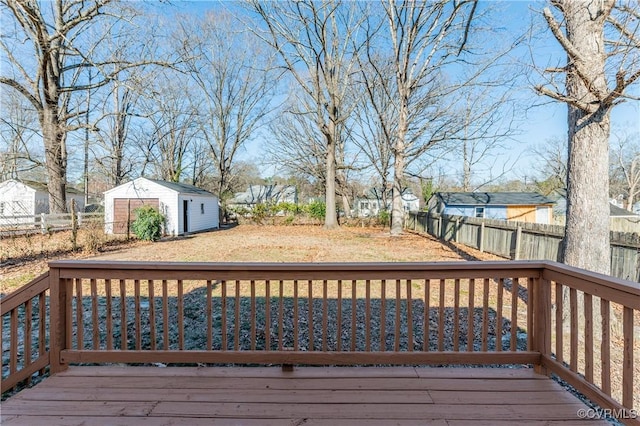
<point>511,206</point>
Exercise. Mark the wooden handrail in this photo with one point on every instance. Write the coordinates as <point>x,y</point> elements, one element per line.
<point>387,313</point>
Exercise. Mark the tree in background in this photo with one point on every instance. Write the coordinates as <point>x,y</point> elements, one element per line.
<point>603,61</point>
<point>62,42</point>
<point>625,168</point>
<point>315,42</point>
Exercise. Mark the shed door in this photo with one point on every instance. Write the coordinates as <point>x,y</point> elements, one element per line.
<point>125,207</point>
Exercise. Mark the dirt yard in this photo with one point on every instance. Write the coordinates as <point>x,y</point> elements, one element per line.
<point>23,258</point>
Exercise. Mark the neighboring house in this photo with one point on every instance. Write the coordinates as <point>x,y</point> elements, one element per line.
<point>29,198</point>
<point>186,208</point>
<point>621,220</point>
<point>270,194</point>
<point>511,206</point>
<point>370,204</point>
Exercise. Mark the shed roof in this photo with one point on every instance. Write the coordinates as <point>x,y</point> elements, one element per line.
<point>493,198</point>
<point>615,211</point>
<point>183,188</point>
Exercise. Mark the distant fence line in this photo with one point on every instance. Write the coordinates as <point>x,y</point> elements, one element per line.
<point>45,222</point>
<point>522,241</point>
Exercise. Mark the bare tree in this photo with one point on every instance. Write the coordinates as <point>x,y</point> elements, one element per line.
<point>625,167</point>
<point>236,83</point>
<point>552,165</point>
<point>424,36</point>
<point>603,61</point>
<point>48,69</point>
<point>18,129</point>
<point>315,42</point>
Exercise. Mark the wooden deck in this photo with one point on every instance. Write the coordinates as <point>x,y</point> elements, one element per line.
<point>368,396</point>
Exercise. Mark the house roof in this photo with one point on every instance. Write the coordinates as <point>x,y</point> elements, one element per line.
<point>261,193</point>
<point>42,187</point>
<point>492,198</point>
<point>183,188</point>
<point>615,211</point>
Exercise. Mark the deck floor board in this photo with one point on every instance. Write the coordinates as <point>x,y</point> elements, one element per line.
<point>359,396</point>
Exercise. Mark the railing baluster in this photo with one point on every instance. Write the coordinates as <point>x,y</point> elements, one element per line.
<point>588,337</point>
<point>485,315</point>
<point>42,326</point>
<point>223,307</point>
<point>409,317</point>
<point>627,361</point>
<point>28,317</point>
<point>296,321</point>
<point>152,314</point>
<point>267,315</point>
<point>138,316</point>
<point>109,313</point>
<point>13,345</point>
<point>426,316</point>
<point>325,314</point>
<point>605,348</point>
<point>559,323</point>
<point>354,308</point>
<point>383,315</point>
<point>209,316</point>
<point>456,315</point>
<point>530,297</point>
<point>236,321</point>
<point>396,340</point>
<point>180,315</point>
<point>124,329</point>
<point>95,328</point>
<point>165,316</point>
<point>280,315</point>
<point>339,318</point>
<point>310,313</point>
<point>499,306</point>
<point>367,315</point>
<point>515,287</point>
<point>441,317</point>
<point>470,317</point>
<point>573,350</point>
<point>79,315</point>
<point>252,283</point>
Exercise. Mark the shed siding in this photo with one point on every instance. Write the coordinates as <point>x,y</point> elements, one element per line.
<point>198,221</point>
<point>143,189</point>
<point>17,200</point>
<point>490,212</point>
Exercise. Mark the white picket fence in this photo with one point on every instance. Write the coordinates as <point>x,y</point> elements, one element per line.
<point>45,222</point>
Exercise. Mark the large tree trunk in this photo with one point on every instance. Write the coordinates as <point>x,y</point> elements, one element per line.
<point>587,229</point>
<point>55,157</point>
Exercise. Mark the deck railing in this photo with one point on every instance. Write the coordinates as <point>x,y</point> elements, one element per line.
<point>532,313</point>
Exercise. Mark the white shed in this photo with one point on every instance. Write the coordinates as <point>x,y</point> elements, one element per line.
<point>186,208</point>
<point>29,198</point>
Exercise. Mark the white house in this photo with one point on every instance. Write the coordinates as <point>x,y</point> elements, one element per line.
<point>28,198</point>
<point>370,204</point>
<point>186,208</point>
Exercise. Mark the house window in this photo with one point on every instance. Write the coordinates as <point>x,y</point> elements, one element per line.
<point>201,208</point>
<point>364,205</point>
<point>479,212</point>
<point>2,208</point>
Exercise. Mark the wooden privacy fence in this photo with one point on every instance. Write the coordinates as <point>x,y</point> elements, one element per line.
<point>522,241</point>
<point>330,314</point>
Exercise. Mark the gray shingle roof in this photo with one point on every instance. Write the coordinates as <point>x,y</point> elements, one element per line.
<point>615,211</point>
<point>183,188</point>
<point>492,198</point>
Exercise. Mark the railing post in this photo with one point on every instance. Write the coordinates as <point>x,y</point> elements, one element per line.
<point>541,319</point>
<point>59,319</point>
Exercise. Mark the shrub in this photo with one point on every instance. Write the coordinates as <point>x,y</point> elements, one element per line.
<point>148,224</point>
<point>383,218</point>
<point>316,209</point>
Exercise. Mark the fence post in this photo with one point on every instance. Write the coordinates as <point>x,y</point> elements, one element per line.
<point>59,319</point>
<point>516,254</point>
<point>541,311</point>
<point>481,244</point>
<point>43,223</point>
<point>440,230</point>
<point>455,230</point>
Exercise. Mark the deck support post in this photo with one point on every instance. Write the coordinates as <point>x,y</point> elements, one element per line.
<point>60,310</point>
<point>541,320</point>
